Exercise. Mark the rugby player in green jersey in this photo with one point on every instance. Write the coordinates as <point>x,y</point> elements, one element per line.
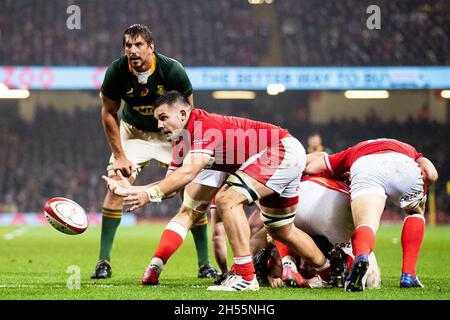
<point>138,78</point>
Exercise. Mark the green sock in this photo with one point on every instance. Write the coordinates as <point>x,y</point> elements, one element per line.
<point>200,234</point>
<point>110,222</point>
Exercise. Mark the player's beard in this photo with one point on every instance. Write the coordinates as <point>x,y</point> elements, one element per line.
<point>137,64</point>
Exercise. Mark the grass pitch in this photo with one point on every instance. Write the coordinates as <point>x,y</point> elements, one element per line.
<point>37,263</point>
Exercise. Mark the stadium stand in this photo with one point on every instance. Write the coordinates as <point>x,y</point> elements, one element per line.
<point>227,33</point>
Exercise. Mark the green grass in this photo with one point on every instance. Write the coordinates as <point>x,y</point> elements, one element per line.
<point>33,266</point>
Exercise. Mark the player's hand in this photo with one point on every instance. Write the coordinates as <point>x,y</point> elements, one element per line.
<point>136,200</point>
<point>121,187</point>
<point>124,166</point>
<point>275,282</point>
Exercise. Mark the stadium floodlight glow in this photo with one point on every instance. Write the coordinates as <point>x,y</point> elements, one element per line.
<point>6,93</point>
<point>366,94</point>
<point>445,94</point>
<point>231,94</point>
<point>275,88</point>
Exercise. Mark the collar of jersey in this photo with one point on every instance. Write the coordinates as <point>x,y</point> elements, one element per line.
<point>152,68</point>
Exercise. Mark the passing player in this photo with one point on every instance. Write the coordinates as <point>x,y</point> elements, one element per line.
<point>138,78</point>
<point>381,169</point>
<point>264,162</point>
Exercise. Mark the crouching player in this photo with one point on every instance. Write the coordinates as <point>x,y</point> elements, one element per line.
<point>381,169</point>
<point>324,213</point>
<point>265,164</point>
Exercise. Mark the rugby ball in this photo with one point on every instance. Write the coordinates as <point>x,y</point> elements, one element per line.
<point>65,215</point>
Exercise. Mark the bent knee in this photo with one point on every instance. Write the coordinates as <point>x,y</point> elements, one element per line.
<point>229,198</point>
<point>279,233</point>
<point>112,200</point>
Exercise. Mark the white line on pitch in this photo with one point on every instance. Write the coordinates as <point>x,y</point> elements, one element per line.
<point>15,233</point>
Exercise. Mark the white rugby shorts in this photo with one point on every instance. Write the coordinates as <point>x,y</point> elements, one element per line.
<point>279,167</point>
<point>392,175</point>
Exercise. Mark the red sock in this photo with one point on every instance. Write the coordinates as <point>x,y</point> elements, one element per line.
<point>171,239</point>
<point>284,250</point>
<point>243,266</point>
<point>412,238</point>
<point>363,240</point>
<point>349,262</point>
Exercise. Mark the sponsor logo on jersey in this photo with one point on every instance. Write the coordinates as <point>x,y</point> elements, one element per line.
<point>160,90</point>
<point>129,93</point>
<point>144,110</point>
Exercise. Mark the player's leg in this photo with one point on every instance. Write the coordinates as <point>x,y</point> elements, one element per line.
<point>199,230</point>
<point>200,233</point>
<point>279,224</point>
<point>218,239</point>
<point>197,197</point>
<point>366,211</point>
<point>272,169</point>
<point>405,187</point>
<point>258,238</point>
<point>230,202</point>
<point>413,203</point>
<point>196,200</point>
<point>111,216</point>
<point>140,147</point>
<point>289,261</point>
<point>412,238</point>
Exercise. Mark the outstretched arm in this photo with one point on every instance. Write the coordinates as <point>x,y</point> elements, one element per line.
<point>138,196</point>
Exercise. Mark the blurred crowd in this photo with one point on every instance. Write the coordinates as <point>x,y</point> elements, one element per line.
<point>65,154</point>
<point>335,33</point>
<point>214,33</point>
<point>229,32</point>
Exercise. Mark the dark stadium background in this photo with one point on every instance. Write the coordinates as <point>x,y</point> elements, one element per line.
<point>52,144</point>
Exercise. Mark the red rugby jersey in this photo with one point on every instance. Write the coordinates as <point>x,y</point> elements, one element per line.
<point>229,140</point>
<point>341,162</point>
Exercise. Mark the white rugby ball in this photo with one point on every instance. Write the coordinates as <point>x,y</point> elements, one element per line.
<point>66,215</point>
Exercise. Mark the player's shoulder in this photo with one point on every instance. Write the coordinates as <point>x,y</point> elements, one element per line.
<point>119,63</point>
<point>167,63</point>
<point>208,120</point>
<point>200,114</point>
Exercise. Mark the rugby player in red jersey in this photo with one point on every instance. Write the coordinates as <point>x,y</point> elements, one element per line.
<point>381,169</point>
<point>264,163</point>
<point>324,213</point>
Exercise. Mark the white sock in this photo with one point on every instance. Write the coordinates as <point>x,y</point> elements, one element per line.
<point>157,262</point>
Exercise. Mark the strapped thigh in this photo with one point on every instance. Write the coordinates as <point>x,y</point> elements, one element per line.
<point>242,185</point>
<point>277,220</point>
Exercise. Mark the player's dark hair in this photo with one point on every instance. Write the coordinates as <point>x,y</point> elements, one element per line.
<point>170,98</point>
<point>138,30</point>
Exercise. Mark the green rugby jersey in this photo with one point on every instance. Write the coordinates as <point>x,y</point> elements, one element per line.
<point>120,83</point>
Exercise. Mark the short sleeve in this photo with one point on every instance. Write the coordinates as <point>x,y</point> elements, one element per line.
<point>111,83</point>
<point>204,145</point>
<point>206,137</point>
<point>179,79</point>
<point>337,163</point>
